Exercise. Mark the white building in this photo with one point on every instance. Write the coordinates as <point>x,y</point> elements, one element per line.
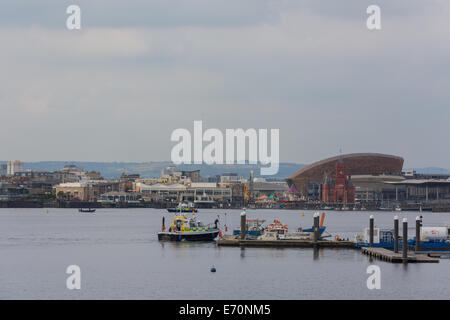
<point>200,192</point>
<point>13,167</point>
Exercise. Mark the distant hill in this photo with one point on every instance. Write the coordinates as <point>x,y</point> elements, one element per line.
<point>153,169</point>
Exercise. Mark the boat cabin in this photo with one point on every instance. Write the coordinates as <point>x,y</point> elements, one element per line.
<point>277,227</point>
<point>254,227</point>
<point>379,236</point>
<point>179,223</point>
<point>255,224</point>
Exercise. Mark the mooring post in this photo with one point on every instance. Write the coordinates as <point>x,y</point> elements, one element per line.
<point>243,224</point>
<point>405,240</point>
<point>163,227</point>
<point>316,227</point>
<point>371,231</point>
<point>418,224</point>
<point>396,234</point>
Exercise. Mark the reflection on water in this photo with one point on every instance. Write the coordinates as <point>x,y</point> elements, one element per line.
<point>121,258</point>
<point>315,253</point>
<point>242,253</point>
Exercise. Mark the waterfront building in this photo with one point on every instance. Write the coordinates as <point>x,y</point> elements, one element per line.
<point>378,188</point>
<point>214,178</point>
<point>93,175</point>
<point>72,190</point>
<point>192,175</point>
<point>148,181</point>
<point>172,175</point>
<point>10,192</point>
<point>130,177</point>
<point>424,190</point>
<point>161,192</point>
<point>264,188</point>
<point>78,174</point>
<point>128,182</point>
<point>114,197</point>
<point>230,177</point>
<point>86,190</point>
<point>200,193</point>
<point>205,194</point>
<point>308,180</point>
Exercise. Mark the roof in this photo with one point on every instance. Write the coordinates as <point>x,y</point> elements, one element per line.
<point>356,163</point>
<point>420,181</point>
<point>160,186</point>
<point>270,186</point>
<point>203,185</point>
<point>72,185</point>
<point>119,193</point>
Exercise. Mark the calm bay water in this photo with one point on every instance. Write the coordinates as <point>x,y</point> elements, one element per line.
<point>121,258</point>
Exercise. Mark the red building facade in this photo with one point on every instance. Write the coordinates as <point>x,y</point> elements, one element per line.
<point>339,189</point>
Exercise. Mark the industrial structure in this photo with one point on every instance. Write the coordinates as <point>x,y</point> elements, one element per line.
<point>340,188</point>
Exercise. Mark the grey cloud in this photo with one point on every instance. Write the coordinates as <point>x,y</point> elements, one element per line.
<point>116,93</point>
<point>133,13</point>
<point>182,13</point>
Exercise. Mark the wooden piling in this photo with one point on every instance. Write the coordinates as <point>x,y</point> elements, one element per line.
<point>371,230</point>
<point>418,223</point>
<point>243,224</point>
<point>405,240</point>
<point>396,234</point>
<point>316,227</point>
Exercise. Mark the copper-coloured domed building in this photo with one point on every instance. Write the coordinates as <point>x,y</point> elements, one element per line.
<point>308,179</point>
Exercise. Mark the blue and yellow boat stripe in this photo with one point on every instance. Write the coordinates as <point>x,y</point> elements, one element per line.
<point>197,229</point>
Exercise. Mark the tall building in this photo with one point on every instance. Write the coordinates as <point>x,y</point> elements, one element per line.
<point>13,167</point>
<point>339,189</point>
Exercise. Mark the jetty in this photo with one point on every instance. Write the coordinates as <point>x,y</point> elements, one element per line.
<point>391,256</point>
<point>373,246</point>
<point>309,239</point>
<point>235,241</point>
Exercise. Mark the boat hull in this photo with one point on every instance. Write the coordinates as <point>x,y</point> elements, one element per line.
<point>188,236</point>
<point>86,210</point>
<point>183,210</point>
<point>254,233</point>
<point>257,233</point>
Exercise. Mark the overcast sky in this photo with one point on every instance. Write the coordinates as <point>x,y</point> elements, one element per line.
<point>115,90</point>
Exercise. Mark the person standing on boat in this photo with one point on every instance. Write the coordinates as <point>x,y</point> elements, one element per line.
<point>216,222</point>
